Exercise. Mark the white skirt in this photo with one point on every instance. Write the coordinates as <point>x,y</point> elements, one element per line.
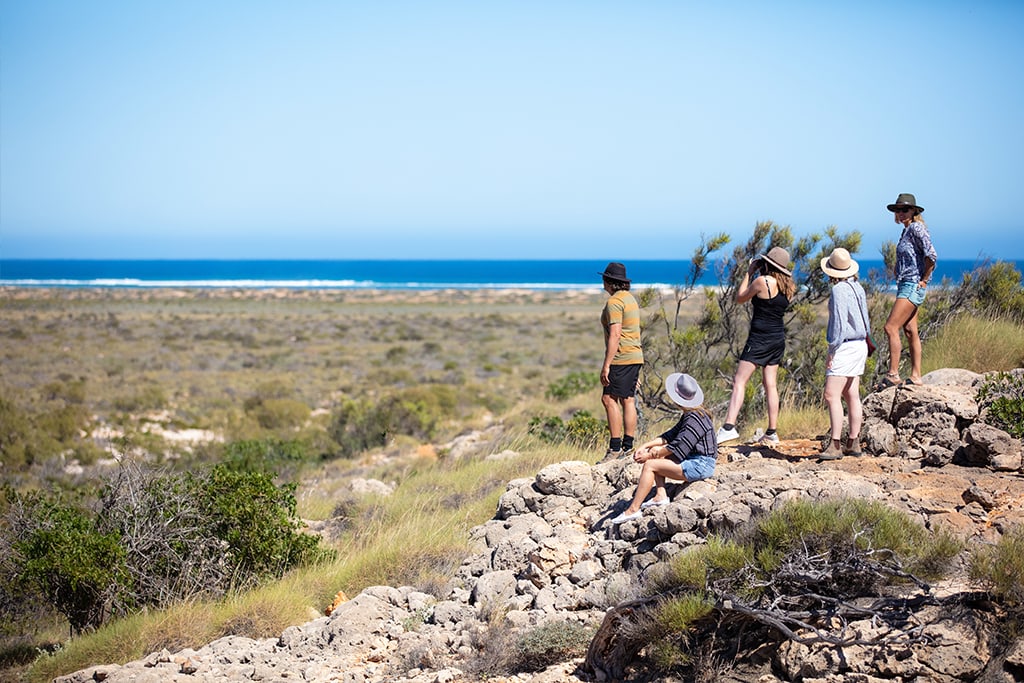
<point>849,359</point>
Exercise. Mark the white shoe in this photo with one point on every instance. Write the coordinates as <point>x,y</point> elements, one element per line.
<point>627,518</point>
<point>726,435</point>
<point>655,503</point>
<point>768,439</point>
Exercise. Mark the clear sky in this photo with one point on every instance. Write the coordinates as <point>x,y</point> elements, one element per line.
<point>550,129</point>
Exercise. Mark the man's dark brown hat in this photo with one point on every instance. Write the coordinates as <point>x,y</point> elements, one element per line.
<point>615,271</point>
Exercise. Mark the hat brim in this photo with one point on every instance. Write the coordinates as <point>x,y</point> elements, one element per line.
<point>764,257</point>
<point>614,277</point>
<point>896,207</point>
<point>835,272</point>
<point>673,393</point>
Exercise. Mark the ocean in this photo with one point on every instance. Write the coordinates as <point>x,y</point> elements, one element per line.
<point>369,274</point>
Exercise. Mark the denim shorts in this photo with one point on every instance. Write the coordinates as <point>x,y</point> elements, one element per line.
<point>698,467</point>
<point>910,290</point>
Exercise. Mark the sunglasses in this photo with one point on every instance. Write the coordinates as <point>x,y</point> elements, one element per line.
<point>904,211</point>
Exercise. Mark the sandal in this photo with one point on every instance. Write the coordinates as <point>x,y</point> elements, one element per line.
<point>912,383</point>
<point>888,381</point>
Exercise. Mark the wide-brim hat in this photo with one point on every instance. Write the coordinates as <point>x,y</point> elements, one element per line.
<point>839,264</point>
<point>904,201</point>
<point>778,257</point>
<point>684,390</point>
<point>615,271</point>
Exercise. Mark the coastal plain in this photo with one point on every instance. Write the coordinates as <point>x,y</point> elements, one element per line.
<point>191,358</point>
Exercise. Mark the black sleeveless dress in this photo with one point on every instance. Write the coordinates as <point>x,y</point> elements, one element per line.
<point>767,339</point>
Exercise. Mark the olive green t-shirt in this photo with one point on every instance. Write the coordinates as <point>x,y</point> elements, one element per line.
<point>622,308</point>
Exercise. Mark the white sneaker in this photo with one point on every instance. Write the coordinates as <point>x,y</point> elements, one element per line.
<point>727,435</point>
<point>768,439</point>
<point>622,518</point>
<point>654,503</point>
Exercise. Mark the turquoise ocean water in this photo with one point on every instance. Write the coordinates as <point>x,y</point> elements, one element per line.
<point>370,274</point>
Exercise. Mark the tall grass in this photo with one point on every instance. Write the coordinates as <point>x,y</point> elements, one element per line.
<point>977,344</point>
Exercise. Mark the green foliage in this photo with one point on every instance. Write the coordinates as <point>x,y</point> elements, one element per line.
<point>1001,568</point>
<point>998,290</point>
<point>152,538</point>
<point>65,559</point>
<point>417,412</point>
<point>257,521</point>
<point>551,643</point>
<point>582,429</point>
<point>264,455</point>
<point>1001,400</point>
<point>28,436</point>
<point>573,384</point>
<point>280,413</point>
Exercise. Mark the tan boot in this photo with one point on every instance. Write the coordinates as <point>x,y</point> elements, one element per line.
<point>832,452</point>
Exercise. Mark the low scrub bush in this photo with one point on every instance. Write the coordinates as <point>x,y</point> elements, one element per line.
<point>1000,568</point>
<point>152,538</point>
<point>1001,401</point>
<point>582,429</point>
<point>573,384</point>
<point>417,412</point>
<point>803,557</point>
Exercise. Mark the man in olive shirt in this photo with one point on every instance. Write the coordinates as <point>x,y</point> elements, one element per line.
<point>623,360</point>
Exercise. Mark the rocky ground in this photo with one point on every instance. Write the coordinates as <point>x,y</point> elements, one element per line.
<point>550,555</point>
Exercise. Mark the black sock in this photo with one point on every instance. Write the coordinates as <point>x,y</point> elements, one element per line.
<point>627,442</point>
<point>769,432</point>
<point>615,443</point>
<point>728,426</point>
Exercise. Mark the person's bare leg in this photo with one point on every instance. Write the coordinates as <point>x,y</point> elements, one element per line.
<point>739,386</point>
<point>834,386</point>
<point>855,409</point>
<point>769,378</point>
<point>914,342</point>
<point>653,470</point>
<point>902,311</point>
<point>614,412</point>
<point>629,417</point>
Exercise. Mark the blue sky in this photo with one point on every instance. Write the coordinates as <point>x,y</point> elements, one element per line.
<point>599,129</point>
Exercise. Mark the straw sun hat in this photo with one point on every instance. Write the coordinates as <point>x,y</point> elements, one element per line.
<point>839,264</point>
<point>778,257</point>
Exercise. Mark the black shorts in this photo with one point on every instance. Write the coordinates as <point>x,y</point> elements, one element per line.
<point>622,380</point>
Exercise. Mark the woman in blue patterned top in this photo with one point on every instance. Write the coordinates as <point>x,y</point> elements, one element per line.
<point>915,262</point>
<point>686,452</point>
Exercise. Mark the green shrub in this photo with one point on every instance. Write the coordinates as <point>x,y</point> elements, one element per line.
<point>417,412</point>
<point>551,643</point>
<point>280,413</point>
<point>549,429</point>
<point>1000,568</point>
<point>257,520</point>
<point>264,455</point>
<point>585,430</point>
<point>152,539</point>
<point>64,558</point>
<point>1001,400</point>
<point>573,384</point>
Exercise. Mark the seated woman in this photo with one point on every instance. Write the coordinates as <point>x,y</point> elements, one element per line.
<point>686,452</point>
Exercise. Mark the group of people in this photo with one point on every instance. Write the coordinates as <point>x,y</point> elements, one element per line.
<point>687,451</point>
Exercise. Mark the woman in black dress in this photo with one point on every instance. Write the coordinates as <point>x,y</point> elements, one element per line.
<point>769,285</point>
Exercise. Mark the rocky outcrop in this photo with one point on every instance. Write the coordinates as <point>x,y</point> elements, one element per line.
<point>550,555</point>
